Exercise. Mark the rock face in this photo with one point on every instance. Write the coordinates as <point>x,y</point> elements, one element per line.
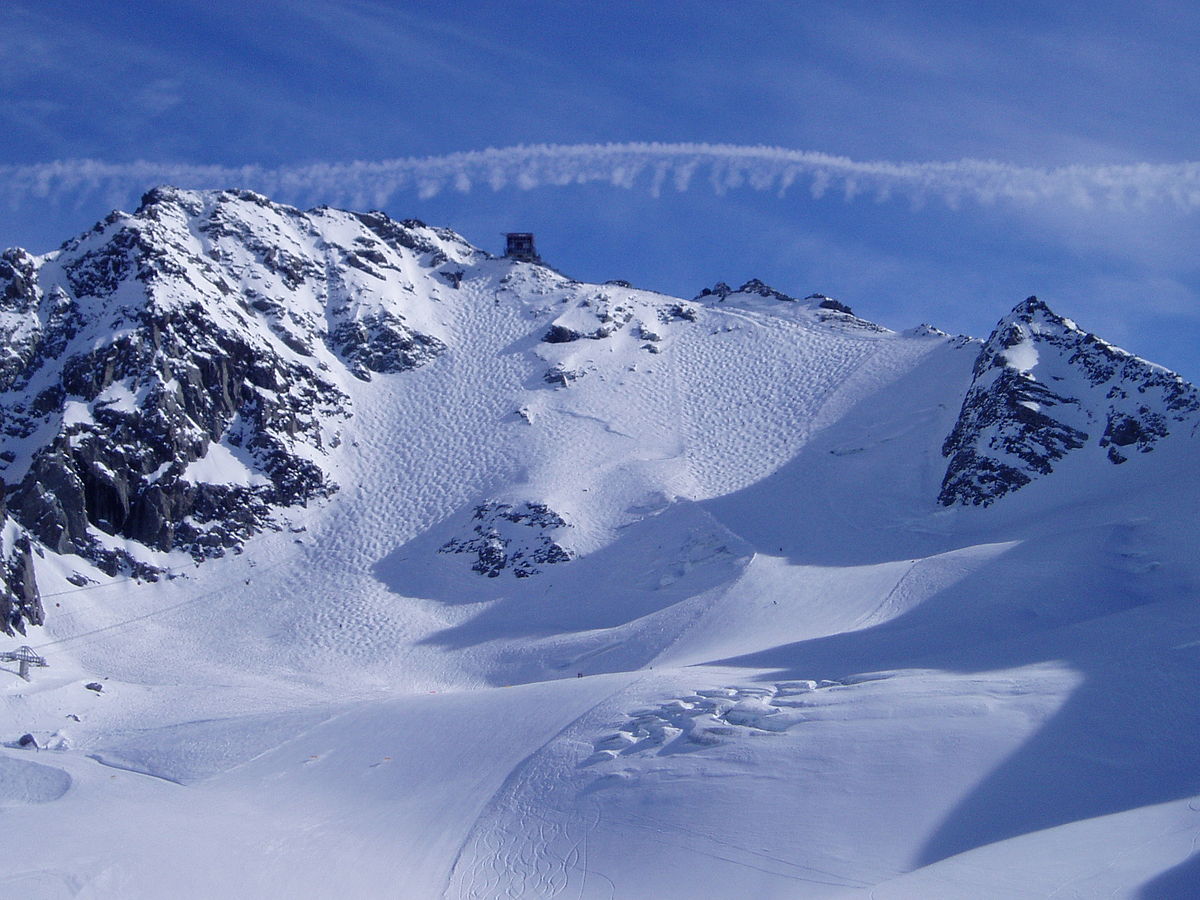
<point>515,538</point>
<point>1044,388</point>
<point>755,293</point>
<point>19,602</point>
<point>755,287</point>
<point>172,376</point>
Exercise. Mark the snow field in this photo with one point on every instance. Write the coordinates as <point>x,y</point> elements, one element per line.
<point>751,789</point>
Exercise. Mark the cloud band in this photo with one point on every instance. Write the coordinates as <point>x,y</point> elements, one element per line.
<point>656,167</point>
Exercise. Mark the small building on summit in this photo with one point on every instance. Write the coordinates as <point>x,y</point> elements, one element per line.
<point>519,245</point>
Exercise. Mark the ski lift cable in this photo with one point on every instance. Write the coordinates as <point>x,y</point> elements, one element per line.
<point>156,612</point>
<point>92,587</point>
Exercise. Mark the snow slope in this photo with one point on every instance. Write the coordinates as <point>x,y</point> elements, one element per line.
<point>802,674</point>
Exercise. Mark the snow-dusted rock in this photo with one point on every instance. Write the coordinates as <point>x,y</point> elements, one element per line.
<point>204,332</point>
<point>1044,388</point>
<point>516,538</point>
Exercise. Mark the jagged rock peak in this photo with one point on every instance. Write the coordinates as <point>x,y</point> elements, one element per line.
<point>720,291</point>
<point>823,302</point>
<point>1044,388</point>
<point>174,375</point>
<point>926,330</point>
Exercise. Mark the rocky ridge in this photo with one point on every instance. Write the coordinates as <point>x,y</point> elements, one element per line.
<point>174,376</point>
<point>1044,388</point>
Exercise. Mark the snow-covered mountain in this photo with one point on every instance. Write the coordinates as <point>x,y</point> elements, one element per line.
<point>334,509</point>
<point>179,377</point>
<point>1044,388</point>
<point>173,376</point>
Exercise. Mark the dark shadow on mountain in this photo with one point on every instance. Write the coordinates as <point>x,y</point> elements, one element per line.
<point>1180,883</point>
<point>657,562</point>
<point>847,498</point>
<point>1127,737</point>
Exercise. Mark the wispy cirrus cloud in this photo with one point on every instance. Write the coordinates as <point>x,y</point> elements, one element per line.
<point>652,166</point>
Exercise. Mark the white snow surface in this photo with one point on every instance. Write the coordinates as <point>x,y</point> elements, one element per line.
<point>774,667</point>
<point>221,465</point>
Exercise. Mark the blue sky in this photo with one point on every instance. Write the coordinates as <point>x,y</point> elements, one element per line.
<point>1033,85</point>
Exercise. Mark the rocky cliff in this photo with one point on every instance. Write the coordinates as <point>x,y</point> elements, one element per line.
<point>172,376</point>
<point>1044,388</point>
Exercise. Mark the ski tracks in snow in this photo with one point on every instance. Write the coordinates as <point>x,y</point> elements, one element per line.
<point>522,844</point>
<point>407,468</point>
<point>732,392</point>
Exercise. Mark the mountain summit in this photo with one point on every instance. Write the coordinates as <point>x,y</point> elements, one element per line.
<point>1043,388</point>
<point>174,375</point>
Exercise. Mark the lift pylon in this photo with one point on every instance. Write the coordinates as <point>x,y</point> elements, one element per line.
<point>26,657</point>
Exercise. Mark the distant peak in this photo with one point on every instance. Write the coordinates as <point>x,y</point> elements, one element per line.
<point>720,290</point>
<point>1030,322</point>
<point>1031,309</point>
<point>196,202</point>
<point>824,302</point>
<point>926,330</point>
<point>754,286</point>
<point>166,194</point>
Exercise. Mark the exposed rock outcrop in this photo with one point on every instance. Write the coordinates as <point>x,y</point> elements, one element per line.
<point>518,539</point>
<point>171,377</point>
<point>1044,388</point>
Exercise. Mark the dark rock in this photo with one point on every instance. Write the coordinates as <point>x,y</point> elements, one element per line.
<point>721,291</point>
<point>761,289</point>
<point>609,319</point>
<point>1013,427</point>
<point>1011,412</point>
<point>382,343</point>
<point>512,538</point>
<point>20,600</point>
<point>559,334</point>
<point>830,303</point>
<point>95,686</point>
<point>561,376</point>
<point>410,234</point>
